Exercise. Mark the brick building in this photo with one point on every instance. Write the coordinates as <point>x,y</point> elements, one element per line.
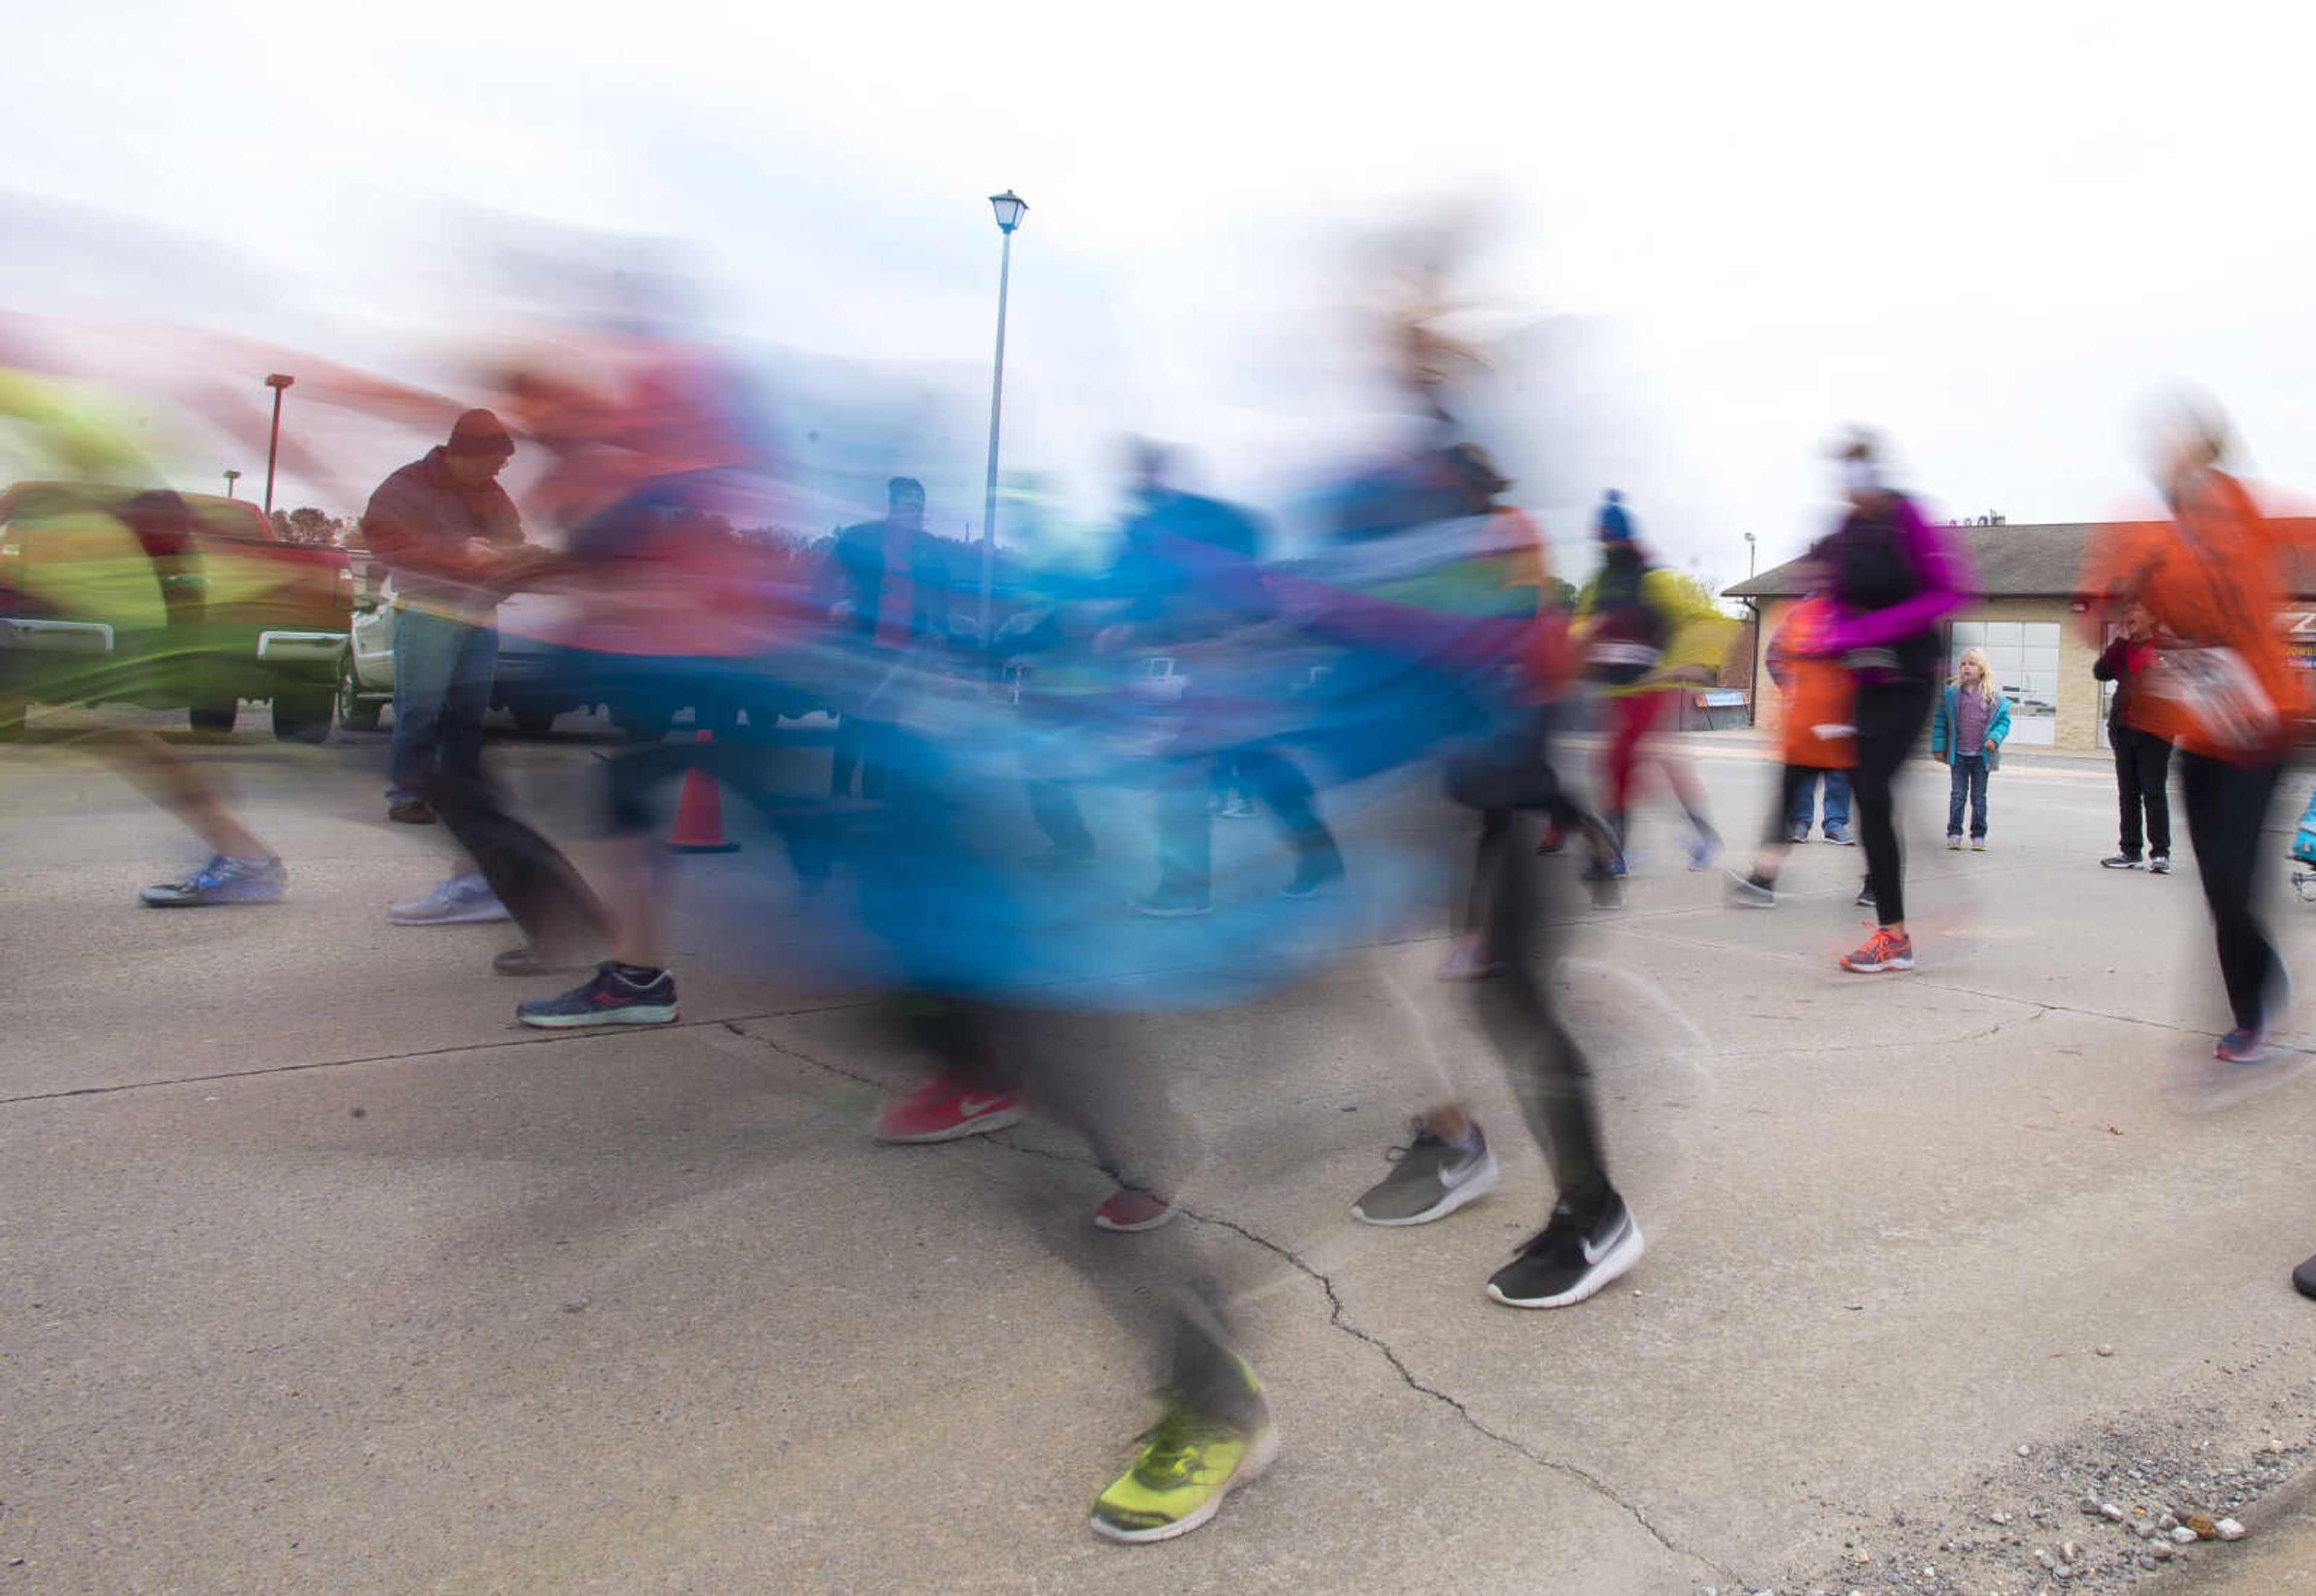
<point>2028,622</point>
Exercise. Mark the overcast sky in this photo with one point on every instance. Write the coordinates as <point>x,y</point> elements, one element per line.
<point>1725,232</point>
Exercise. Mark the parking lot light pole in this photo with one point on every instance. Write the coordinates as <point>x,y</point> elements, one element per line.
<point>1010,208</point>
<point>231,477</point>
<point>277,382</point>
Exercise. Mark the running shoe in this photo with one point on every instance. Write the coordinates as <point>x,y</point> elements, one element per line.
<point>1884,950</point>
<point>2130,862</point>
<point>1571,1258</point>
<point>1749,891</point>
<point>1705,850</point>
<point>944,1108</point>
<point>1978,845</point>
<point>1130,1208</point>
<point>2242,1045</point>
<point>464,899</point>
<point>1864,898</point>
<point>2160,864</point>
<point>1192,1460</point>
<point>1430,1180</point>
<point>1840,836</point>
<point>410,811</point>
<point>222,881</point>
<point>1797,835</point>
<point>610,998</point>
<point>1954,843</point>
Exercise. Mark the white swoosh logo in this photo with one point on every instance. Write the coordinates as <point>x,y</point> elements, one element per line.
<point>970,1106</point>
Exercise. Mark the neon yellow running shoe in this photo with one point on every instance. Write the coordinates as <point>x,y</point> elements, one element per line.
<point>1192,1461</point>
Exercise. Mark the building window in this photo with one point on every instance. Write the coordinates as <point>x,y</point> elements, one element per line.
<point>2025,657</point>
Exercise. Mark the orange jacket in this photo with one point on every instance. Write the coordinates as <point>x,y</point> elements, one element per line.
<point>1816,695</point>
<point>2213,577</point>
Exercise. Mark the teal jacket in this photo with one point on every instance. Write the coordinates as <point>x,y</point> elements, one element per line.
<point>1948,721</point>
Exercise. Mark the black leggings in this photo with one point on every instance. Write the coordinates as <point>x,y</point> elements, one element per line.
<point>2226,806</point>
<point>1547,1069</point>
<point>1890,716</point>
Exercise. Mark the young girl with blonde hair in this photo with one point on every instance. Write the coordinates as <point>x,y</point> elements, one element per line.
<point>1974,717</point>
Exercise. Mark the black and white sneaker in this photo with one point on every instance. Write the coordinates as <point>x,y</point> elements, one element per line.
<point>2126,861</point>
<point>2160,864</point>
<point>1865,895</point>
<point>1571,1258</point>
<point>1749,891</point>
<point>611,999</point>
<point>1430,1180</point>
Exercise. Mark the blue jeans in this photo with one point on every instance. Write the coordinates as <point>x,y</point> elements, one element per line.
<point>1969,782</point>
<point>1837,804</point>
<point>442,674</point>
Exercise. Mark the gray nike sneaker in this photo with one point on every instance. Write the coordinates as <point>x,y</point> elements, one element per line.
<point>1430,1180</point>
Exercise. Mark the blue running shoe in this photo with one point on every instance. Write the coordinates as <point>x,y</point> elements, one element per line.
<point>610,998</point>
<point>222,881</point>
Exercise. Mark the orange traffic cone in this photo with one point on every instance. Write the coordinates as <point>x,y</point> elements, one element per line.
<point>700,814</point>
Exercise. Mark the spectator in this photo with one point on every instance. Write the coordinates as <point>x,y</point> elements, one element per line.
<point>442,526</point>
<point>2142,761</point>
<point>885,585</point>
<point>1966,733</point>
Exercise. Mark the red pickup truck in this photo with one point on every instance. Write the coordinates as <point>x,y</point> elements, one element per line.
<point>165,600</point>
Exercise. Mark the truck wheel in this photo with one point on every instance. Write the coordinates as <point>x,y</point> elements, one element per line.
<point>302,714</point>
<point>355,713</point>
<point>532,720</point>
<point>12,718</point>
<point>214,717</point>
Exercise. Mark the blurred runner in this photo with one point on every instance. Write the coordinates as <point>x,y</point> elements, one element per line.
<point>1630,622</point>
<point>1895,578</point>
<point>1187,576</point>
<point>1818,736</point>
<point>885,585</point>
<point>2220,687</point>
<point>106,555</point>
<point>1449,607</point>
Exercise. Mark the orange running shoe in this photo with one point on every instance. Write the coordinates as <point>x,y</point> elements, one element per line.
<point>1884,950</point>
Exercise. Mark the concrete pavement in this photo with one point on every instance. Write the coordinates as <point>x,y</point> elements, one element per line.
<point>320,1274</point>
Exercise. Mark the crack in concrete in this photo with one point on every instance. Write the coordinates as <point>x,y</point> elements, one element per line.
<point>1337,1319</point>
<point>1337,1311</point>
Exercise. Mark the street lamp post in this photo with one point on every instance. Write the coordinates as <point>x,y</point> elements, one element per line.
<point>277,382</point>
<point>1753,655</point>
<point>231,476</point>
<point>1010,208</point>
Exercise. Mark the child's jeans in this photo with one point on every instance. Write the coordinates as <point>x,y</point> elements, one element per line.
<point>1969,782</point>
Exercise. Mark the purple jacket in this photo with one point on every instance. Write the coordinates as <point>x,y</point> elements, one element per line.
<point>1897,577</point>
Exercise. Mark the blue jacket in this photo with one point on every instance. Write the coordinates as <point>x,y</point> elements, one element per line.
<point>1948,721</point>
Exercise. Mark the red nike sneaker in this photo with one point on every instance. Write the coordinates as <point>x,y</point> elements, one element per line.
<point>944,1108</point>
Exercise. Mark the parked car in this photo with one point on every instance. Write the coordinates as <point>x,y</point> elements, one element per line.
<point>526,686</point>
<point>185,601</point>
<point>530,685</point>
